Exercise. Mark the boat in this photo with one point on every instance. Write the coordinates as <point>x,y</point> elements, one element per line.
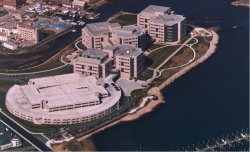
<point>73,23</point>
<point>73,30</point>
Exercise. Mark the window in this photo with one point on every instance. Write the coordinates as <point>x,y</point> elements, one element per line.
<point>156,29</point>
<point>122,69</point>
<point>156,35</point>
<point>122,63</point>
<point>102,39</point>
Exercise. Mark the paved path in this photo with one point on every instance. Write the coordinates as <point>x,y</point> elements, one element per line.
<point>167,59</point>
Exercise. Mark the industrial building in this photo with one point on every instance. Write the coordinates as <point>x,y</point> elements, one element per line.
<point>63,99</point>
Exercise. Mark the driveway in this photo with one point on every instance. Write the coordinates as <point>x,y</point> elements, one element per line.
<point>129,85</point>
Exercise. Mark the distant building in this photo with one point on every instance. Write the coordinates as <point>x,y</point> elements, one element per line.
<point>28,32</point>
<point>67,3</point>
<point>78,4</point>
<point>10,45</point>
<point>161,24</point>
<point>3,36</point>
<point>6,140</point>
<point>1,2</point>
<point>6,29</point>
<point>52,2</point>
<point>93,62</point>
<point>13,4</point>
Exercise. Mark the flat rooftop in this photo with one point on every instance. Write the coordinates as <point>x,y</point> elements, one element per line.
<point>63,90</point>
<point>127,31</point>
<point>127,50</point>
<point>15,98</point>
<point>100,27</point>
<point>152,9</point>
<point>93,56</point>
<point>167,19</point>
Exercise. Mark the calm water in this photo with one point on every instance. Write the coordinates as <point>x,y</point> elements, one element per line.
<point>210,101</point>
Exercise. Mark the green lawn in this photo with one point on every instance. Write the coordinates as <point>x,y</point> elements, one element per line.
<point>137,95</point>
<point>81,46</point>
<point>145,75</point>
<point>158,56</point>
<point>126,19</point>
<point>47,33</point>
<point>185,38</point>
<point>74,145</point>
<point>155,46</point>
<point>94,1</point>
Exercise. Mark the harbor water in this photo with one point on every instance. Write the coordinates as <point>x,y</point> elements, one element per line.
<point>209,101</point>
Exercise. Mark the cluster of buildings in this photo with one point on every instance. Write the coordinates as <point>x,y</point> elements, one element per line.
<point>13,4</point>
<point>115,47</point>
<point>23,31</point>
<point>88,93</point>
<point>7,140</point>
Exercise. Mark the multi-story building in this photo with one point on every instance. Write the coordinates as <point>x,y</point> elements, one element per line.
<point>96,35</point>
<point>10,45</point>
<point>78,4</point>
<point>3,36</point>
<point>93,62</point>
<point>13,4</point>
<point>28,32</point>
<point>161,24</point>
<point>127,58</point>
<point>6,29</point>
<point>129,34</point>
<point>99,35</point>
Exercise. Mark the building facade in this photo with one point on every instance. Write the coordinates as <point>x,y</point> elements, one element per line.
<point>28,32</point>
<point>161,24</point>
<point>102,34</point>
<point>10,45</point>
<point>127,58</point>
<point>96,35</point>
<point>3,36</point>
<point>63,99</point>
<point>93,62</point>
<point>13,4</point>
<point>80,5</point>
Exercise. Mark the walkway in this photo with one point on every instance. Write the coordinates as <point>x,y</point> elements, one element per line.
<point>167,59</point>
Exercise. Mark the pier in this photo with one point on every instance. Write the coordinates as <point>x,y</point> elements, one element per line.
<point>224,143</point>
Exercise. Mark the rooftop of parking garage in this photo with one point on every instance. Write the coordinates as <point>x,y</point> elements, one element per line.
<point>16,100</point>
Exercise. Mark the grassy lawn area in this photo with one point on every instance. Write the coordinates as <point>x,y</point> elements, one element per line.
<point>146,74</point>
<point>155,46</point>
<point>81,46</point>
<point>185,38</point>
<point>158,56</point>
<point>47,33</point>
<point>165,66</point>
<point>74,145</point>
<point>126,19</point>
<point>137,95</point>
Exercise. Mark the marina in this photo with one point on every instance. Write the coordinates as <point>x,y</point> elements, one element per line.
<point>225,143</point>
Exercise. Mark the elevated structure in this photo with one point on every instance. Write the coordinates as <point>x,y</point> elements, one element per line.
<point>128,59</point>
<point>161,24</point>
<point>28,32</point>
<point>62,99</point>
<point>102,34</point>
<point>93,62</point>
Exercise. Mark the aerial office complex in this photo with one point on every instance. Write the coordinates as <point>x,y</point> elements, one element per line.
<point>126,58</point>
<point>161,24</point>
<point>62,99</point>
<point>102,34</point>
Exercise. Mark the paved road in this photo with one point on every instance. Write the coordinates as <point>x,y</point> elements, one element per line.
<point>24,133</point>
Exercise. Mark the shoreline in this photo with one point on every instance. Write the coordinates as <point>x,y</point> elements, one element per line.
<point>87,141</point>
<point>237,3</point>
<point>157,90</point>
